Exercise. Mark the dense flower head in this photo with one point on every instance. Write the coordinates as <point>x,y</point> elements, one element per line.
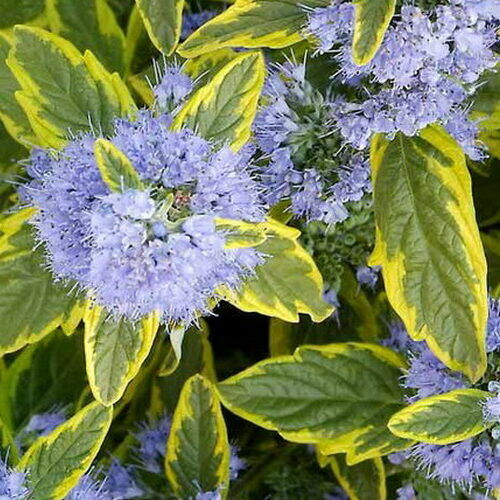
<point>463,463</point>
<point>304,160</point>
<point>12,483</point>
<point>426,70</point>
<point>154,249</point>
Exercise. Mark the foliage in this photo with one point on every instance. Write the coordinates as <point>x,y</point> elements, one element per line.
<point>249,250</point>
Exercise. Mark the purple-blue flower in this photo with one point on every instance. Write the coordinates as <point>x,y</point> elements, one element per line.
<point>426,70</point>
<point>152,438</point>
<point>88,488</point>
<point>173,87</point>
<point>12,483</point>
<point>302,153</point>
<point>157,249</point>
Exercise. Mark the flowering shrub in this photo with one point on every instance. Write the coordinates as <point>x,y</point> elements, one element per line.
<point>249,251</point>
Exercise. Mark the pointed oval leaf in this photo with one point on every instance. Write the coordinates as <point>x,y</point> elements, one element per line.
<point>60,94</point>
<point>31,304</point>
<point>319,393</point>
<point>90,25</point>
<point>114,352</point>
<point>224,108</point>
<point>198,450</point>
<point>364,481</point>
<point>429,247</point>
<point>442,419</point>
<point>116,170</point>
<point>288,283</point>
<point>14,118</point>
<point>371,20</point>
<point>251,24</point>
<point>163,22</point>
<point>57,461</point>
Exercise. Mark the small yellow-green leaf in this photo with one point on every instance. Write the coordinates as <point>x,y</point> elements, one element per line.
<point>442,419</point>
<point>163,22</point>
<point>251,24</point>
<point>90,25</point>
<point>14,118</point>
<point>224,109</point>
<point>288,283</point>
<point>114,352</point>
<point>371,20</point>
<point>307,397</point>
<point>57,461</point>
<point>429,247</point>
<point>240,234</point>
<point>31,304</point>
<point>198,450</point>
<point>116,170</point>
<point>59,95</point>
<point>363,481</point>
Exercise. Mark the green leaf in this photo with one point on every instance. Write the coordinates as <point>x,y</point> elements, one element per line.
<point>163,22</point>
<point>14,118</point>
<point>32,384</point>
<point>370,443</point>
<point>92,25</point>
<point>114,351</point>
<point>14,12</point>
<point>198,450</point>
<point>31,304</point>
<point>429,247</point>
<point>363,481</point>
<point>224,108</point>
<point>116,170</point>
<point>202,69</point>
<point>337,391</point>
<point>288,283</point>
<point>442,419</point>
<point>371,20</point>
<point>57,461</point>
<point>251,24</point>
<point>62,91</point>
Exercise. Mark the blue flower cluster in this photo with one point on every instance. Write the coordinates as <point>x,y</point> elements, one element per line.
<point>158,249</point>
<point>302,154</point>
<point>426,70</point>
<point>468,462</point>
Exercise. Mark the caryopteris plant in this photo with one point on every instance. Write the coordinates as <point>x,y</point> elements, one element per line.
<point>249,250</point>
